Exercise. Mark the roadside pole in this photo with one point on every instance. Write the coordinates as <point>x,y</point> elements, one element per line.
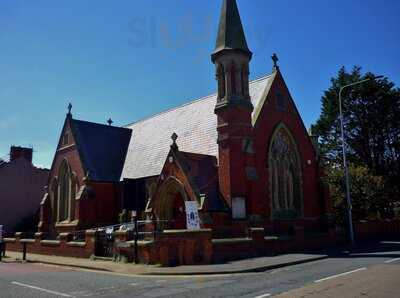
<point>23,251</point>
<point>1,242</point>
<point>136,236</point>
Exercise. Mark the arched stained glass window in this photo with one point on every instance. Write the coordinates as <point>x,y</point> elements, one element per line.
<point>64,192</point>
<point>285,175</point>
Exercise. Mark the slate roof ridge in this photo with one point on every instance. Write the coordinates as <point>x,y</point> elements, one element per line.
<point>41,168</point>
<point>197,154</point>
<point>189,103</point>
<point>100,124</point>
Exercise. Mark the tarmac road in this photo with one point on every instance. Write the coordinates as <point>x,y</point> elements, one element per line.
<point>372,272</point>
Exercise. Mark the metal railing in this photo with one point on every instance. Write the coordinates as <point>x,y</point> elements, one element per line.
<point>78,236</point>
<point>146,229</point>
<point>139,230</point>
<point>8,235</point>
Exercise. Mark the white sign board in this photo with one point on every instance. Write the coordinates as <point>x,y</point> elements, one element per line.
<point>1,234</point>
<point>238,208</point>
<point>192,215</point>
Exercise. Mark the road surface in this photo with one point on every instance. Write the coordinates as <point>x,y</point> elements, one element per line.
<point>372,272</point>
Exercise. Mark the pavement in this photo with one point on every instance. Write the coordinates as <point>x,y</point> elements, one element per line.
<point>377,281</point>
<point>240,266</point>
<point>369,271</point>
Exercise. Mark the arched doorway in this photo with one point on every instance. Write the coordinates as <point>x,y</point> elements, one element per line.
<point>170,205</point>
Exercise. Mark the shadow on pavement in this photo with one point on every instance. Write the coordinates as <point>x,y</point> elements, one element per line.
<point>371,249</point>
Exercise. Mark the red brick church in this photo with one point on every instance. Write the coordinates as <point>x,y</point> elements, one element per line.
<point>243,154</point>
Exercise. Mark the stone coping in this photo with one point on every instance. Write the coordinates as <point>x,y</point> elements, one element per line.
<point>187,231</point>
<point>76,244</point>
<point>90,232</point>
<point>121,232</point>
<point>50,242</point>
<point>231,240</point>
<point>257,229</point>
<point>271,238</point>
<point>66,224</point>
<point>27,241</point>
<point>140,243</point>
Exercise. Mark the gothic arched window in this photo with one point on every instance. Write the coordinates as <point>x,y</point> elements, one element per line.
<point>245,79</point>
<point>54,199</point>
<point>64,192</point>
<point>74,191</point>
<point>221,81</point>
<point>233,80</point>
<point>285,175</point>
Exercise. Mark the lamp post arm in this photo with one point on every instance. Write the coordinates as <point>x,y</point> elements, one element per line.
<point>357,83</point>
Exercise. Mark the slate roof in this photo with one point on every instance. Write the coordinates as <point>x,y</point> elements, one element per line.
<point>203,172</point>
<point>2,162</point>
<point>102,149</point>
<point>196,126</point>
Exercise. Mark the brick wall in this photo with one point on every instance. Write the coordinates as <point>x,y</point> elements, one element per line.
<point>267,121</point>
<point>70,153</point>
<point>18,202</point>
<point>62,247</point>
<point>172,248</point>
<point>102,208</point>
<point>179,247</point>
<point>374,229</point>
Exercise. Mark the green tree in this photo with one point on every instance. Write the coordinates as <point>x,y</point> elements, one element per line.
<point>369,198</point>
<point>372,125</point>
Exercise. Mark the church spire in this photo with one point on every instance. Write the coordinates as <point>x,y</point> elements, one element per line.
<point>230,33</point>
<point>231,58</point>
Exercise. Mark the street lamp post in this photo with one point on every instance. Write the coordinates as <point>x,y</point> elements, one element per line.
<point>345,166</point>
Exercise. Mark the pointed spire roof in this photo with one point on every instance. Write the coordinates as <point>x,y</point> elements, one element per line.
<point>230,33</point>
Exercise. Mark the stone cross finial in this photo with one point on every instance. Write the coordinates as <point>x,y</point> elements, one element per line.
<point>69,108</point>
<point>275,59</point>
<point>110,122</point>
<point>174,137</point>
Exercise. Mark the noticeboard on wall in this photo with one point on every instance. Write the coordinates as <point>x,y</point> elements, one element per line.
<point>192,215</point>
<point>238,208</point>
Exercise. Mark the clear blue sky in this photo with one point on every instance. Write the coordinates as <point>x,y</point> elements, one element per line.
<point>130,59</point>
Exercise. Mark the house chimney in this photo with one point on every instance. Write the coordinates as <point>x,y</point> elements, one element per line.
<point>18,152</point>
